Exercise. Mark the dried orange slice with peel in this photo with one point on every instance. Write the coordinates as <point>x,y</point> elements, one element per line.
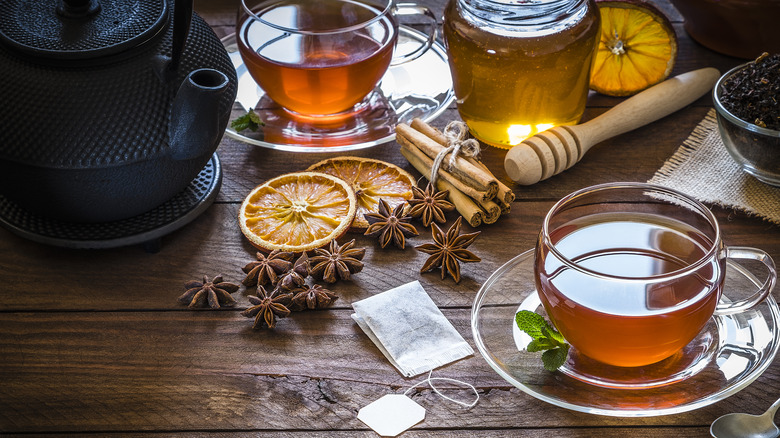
<point>637,49</point>
<point>297,212</point>
<point>371,180</point>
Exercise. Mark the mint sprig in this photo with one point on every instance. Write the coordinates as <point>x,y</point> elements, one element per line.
<point>544,338</point>
<point>250,120</point>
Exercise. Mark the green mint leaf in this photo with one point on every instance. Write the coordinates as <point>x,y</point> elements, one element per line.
<point>554,358</point>
<point>556,339</point>
<point>540,344</point>
<point>241,123</point>
<point>544,338</point>
<point>255,118</point>
<point>250,120</point>
<point>531,323</point>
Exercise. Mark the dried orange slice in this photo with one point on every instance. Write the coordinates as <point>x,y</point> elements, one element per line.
<point>371,180</point>
<point>637,49</point>
<point>297,212</point>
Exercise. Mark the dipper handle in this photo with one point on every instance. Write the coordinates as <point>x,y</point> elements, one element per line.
<point>550,152</point>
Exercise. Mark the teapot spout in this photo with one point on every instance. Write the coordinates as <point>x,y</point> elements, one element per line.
<point>196,125</point>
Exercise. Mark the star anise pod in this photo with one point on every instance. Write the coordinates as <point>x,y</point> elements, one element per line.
<point>336,262</point>
<point>267,268</point>
<point>448,250</point>
<point>429,205</point>
<point>267,308</point>
<point>296,276</point>
<point>312,297</point>
<point>390,226</point>
<point>209,293</point>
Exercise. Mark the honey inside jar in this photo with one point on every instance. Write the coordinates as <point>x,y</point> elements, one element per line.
<point>519,69</point>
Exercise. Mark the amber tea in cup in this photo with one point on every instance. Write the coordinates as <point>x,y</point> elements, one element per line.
<point>322,57</point>
<point>630,273</point>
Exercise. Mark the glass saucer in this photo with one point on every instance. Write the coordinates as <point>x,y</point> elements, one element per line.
<point>730,353</point>
<point>421,88</point>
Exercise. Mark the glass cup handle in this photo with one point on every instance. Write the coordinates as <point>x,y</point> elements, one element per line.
<point>406,9</point>
<point>746,253</point>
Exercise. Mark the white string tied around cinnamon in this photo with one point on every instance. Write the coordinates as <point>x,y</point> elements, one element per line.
<point>457,144</point>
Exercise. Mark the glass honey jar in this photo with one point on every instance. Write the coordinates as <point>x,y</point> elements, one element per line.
<point>520,66</point>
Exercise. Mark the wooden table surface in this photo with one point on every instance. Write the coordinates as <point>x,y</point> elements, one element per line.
<point>95,342</point>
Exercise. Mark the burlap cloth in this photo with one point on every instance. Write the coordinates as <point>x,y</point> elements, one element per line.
<point>703,169</point>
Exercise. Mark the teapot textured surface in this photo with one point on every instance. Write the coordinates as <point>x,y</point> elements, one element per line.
<point>87,139</point>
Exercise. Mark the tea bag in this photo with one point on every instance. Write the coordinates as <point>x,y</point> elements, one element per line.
<point>410,330</point>
<point>392,414</point>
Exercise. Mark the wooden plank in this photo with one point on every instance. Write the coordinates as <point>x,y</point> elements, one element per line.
<point>128,278</point>
<point>45,278</point>
<point>175,371</point>
<point>421,432</point>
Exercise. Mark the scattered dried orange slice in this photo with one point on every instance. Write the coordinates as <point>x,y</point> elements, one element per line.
<point>637,48</point>
<point>371,180</point>
<point>297,212</point>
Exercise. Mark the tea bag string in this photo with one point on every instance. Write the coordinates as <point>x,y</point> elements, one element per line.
<point>457,143</point>
<point>429,380</point>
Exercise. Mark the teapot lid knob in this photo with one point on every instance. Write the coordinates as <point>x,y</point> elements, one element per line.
<point>79,29</point>
<point>78,8</point>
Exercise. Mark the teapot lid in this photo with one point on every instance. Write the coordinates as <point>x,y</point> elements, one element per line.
<point>79,29</point>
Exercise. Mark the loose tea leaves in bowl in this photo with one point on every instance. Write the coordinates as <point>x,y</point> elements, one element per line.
<point>747,101</point>
<point>753,93</point>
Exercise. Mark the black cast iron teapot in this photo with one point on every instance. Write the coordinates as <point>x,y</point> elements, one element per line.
<point>108,108</point>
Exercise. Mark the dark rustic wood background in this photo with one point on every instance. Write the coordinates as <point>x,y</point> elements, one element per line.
<point>94,341</point>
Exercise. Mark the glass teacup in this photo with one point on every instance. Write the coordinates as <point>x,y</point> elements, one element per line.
<point>322,57</point>
<point>630,273</point>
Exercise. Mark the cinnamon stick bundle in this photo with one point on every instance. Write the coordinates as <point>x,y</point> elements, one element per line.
<point>505,194</point>
<point>476,193</point>
<point>463,204</point>
<point>471,175</point>
<point>428,162</point>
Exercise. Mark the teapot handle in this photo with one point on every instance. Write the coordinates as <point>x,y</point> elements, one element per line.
<point>182,17</point>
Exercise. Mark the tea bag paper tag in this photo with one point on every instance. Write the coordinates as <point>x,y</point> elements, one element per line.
<point>391,414</point>
<point>410,330</point>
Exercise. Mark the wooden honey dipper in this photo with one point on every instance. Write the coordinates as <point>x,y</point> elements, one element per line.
<point>552,151</point>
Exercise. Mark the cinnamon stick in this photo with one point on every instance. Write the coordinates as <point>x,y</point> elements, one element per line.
<point>506,207</point>
<point>428,163</point>
<point>464,170</point>
<point>504,193</point>
<point>490,211</point>
<point>430,131</point>
<point>463,203</point>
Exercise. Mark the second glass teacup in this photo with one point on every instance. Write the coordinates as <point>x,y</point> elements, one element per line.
<point>322,57</point>
<point>630,273</point>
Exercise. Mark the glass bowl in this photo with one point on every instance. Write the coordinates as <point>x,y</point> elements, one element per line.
<point>755,149</point>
